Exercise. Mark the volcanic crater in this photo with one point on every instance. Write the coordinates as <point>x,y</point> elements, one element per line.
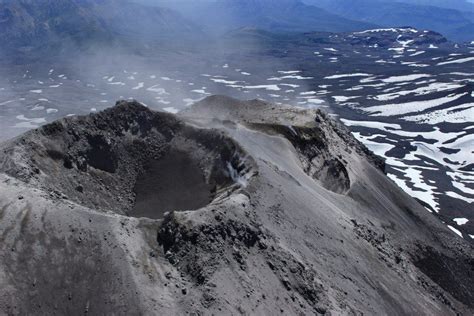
<point>138,163</point>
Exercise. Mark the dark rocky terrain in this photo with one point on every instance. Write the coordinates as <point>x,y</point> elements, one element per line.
<point>301,219</point>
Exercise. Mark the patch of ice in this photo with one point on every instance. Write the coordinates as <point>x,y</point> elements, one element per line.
<point>7,102</point>
<point>464,74</point>
<point>315,101</point>
<point>225,81</point>
<point>398,50</point>
<point>297,77</point>
<point>200,91</point>
<point>456,61</point>
<point>341,98</point>
<point>157,89</point>
<point>159,100</point>
<point>405,78</point>
<point>171,110</point>
<point>455,231</point>
<point>348,76</point>
<point>139,86</point>
<point>372,124</point>
<point>356,88</point>
<point>272,87</point>
<point>419,65</point>
<point>289,85</point>
<point>459,197</point>
<point>289,72</point>
<point>460,221</point>
<point>418,53</point>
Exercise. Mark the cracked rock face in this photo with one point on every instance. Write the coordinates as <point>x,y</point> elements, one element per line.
<point>229,207</point>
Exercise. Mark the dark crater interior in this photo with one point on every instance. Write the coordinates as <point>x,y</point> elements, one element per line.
<point>173,182</point>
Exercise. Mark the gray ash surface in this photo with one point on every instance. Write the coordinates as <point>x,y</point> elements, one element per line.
<point>259,209</point>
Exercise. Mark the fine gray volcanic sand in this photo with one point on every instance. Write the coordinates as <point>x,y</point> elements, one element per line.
<point>173,183</point>
<point>303,220</point>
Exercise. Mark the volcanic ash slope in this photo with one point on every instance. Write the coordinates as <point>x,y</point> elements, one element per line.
<point>229,207</point>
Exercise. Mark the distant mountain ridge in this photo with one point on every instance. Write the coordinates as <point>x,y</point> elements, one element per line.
<point>30,25</point>
<point>455,24</point>
<point>283,16</point>
<point>460,5</point>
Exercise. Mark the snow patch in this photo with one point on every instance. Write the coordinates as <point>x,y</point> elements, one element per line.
<point>348,76</point>
<point>405,78</point>
<point>456,61</point>
<point>460,221</point>
<point>455,231</point>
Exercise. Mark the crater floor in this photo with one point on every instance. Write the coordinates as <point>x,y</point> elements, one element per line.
<point>173,182</point>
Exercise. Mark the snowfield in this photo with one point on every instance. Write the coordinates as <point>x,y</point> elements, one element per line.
<point>405,78</point>
<point>456,61</point>
<point>410,107</point>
